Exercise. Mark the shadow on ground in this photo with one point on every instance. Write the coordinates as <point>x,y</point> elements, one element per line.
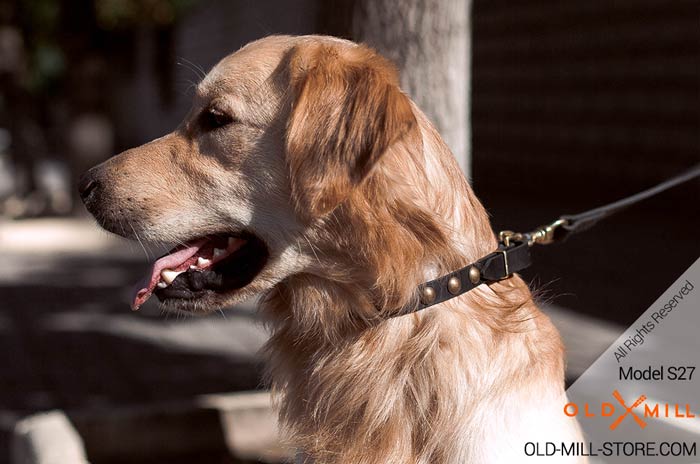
<point>69,341</point>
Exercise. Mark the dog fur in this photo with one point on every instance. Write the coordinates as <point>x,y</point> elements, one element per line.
<point>358,200</point>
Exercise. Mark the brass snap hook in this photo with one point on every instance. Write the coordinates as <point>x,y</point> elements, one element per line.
<point>543,235</point>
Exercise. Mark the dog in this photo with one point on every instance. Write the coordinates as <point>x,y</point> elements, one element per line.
<point>304,174</point>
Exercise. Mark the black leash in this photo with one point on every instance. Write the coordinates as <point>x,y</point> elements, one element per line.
<point>513,252</point>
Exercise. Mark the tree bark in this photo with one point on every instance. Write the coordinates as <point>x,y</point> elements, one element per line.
<point>430,42</point>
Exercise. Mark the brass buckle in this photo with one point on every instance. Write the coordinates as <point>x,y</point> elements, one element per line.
<point>543,235</point>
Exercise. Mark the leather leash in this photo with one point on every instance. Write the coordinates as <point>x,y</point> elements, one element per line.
<point>513,252</point>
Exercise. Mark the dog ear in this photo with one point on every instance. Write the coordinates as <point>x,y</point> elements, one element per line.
<point>347,111</point>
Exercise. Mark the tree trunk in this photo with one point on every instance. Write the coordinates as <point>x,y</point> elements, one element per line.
<point>429,40</point>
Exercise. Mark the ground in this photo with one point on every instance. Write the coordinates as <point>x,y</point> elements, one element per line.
<point>68,339</point>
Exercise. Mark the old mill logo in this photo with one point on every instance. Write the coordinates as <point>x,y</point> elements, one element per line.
<point>637,411</point>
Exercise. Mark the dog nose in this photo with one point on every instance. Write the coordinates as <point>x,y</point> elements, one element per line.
<point>87,185</point>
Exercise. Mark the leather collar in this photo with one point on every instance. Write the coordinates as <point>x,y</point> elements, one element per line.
<point>493,267</point>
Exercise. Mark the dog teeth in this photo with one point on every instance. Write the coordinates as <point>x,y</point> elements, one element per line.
<point>219,252</point>
<point>168,276</point>
<point>203,262</point>
<point>161,285</point>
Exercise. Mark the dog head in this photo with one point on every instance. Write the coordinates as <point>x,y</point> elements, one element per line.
<point>280,134</point>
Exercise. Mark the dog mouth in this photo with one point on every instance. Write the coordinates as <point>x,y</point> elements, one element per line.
<point>219,263</point>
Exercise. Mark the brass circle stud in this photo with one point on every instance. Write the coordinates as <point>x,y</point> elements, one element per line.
<point>454,285</point>
<point>428,295</point>
<point>474,275</point>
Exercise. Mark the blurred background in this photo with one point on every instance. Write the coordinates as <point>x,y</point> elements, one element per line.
<point>550,107</point>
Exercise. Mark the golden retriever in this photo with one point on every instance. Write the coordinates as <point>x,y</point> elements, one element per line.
<point>303,173</point>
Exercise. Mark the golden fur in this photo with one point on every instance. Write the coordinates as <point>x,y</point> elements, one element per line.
<point>359,201</point>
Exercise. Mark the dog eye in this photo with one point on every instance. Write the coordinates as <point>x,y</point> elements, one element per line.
<point>213,119</point>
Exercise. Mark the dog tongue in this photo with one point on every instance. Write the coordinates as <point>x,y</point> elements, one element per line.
<point>144,289</point>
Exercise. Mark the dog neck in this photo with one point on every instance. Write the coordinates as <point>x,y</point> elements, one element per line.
<point>390,391</point>
<point>357,386</point>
